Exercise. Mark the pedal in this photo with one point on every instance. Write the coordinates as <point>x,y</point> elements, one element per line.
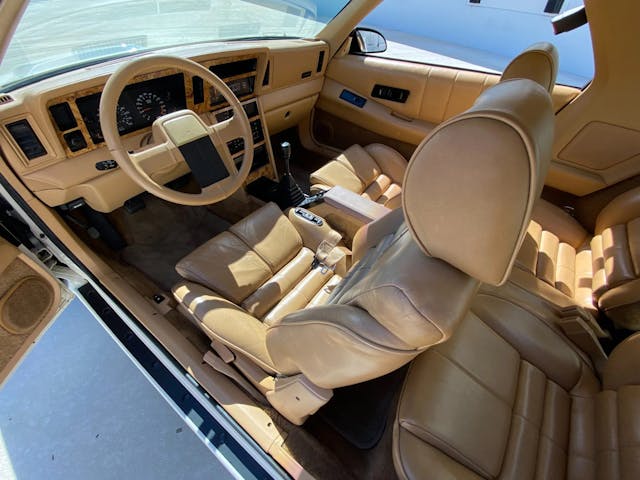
<point>134,204</point>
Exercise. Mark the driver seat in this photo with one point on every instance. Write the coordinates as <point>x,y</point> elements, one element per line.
<point>258,295</point>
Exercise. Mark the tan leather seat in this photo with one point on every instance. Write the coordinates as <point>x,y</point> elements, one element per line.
<point>555,259</point>
<point>507,397</point>
<point>562,263</point>
<point>377,171</point>
<point>411,284</point>
<point>259,270</point>
<point>616,260</point>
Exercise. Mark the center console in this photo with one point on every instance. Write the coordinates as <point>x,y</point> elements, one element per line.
<point>347,211</point>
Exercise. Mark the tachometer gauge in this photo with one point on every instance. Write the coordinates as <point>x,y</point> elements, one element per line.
<point>150,106</point>
<point>125,119</point>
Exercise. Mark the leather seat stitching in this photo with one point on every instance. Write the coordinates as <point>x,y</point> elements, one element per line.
<point>427,433</point>
<point>395,287</point>
<point>474,378</point>
<point>348,332</point>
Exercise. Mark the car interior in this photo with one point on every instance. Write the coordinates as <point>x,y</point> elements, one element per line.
<point>379,268</point>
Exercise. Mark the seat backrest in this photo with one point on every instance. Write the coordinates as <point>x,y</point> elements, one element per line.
<point>616,259</point>
<point>539,63</point>
<point>469,190</point>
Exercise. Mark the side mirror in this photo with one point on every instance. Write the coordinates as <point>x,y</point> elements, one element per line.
<point>366,40</point>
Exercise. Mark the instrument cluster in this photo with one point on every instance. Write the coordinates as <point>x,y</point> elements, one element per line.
<point>139,105</point>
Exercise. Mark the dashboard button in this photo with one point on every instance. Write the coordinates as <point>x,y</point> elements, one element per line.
<point>106,165</point>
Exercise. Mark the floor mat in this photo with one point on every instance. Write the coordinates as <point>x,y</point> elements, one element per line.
<point>359,412</point>
<point>162,233</point>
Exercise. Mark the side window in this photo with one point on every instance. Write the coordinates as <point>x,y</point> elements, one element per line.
<point>481,35</point>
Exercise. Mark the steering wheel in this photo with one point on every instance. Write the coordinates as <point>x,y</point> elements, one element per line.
<point>180,136</point>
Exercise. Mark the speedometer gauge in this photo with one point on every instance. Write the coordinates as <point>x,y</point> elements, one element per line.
<point>150,106</point>
<point>125,119</point>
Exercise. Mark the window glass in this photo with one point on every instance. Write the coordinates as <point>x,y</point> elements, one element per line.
<point>481,35</point>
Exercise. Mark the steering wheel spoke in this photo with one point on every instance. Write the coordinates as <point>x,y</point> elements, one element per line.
<point>155,157</point>
<point>228,129</point>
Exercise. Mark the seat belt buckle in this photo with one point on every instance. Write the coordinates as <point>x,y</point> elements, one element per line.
<point>326,268</point>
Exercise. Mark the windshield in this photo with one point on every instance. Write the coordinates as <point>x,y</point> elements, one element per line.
<point>55,35</point>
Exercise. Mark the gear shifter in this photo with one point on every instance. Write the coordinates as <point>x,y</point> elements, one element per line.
<point>289,193</point>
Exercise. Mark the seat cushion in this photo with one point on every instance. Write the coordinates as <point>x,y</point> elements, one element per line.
<point>235,278</point>
<point>259,264</point>
<point>375,171</point>
<point>224,321</point>
<point>248,278</point>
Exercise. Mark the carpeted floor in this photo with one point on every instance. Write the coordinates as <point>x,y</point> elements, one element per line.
<point>162,233</point>
<point>359,412</point>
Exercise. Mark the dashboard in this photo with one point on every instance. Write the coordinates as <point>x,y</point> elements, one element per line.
<point>77,118</point>
<point>50,131</point>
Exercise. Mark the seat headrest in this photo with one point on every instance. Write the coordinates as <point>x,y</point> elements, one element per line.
<point>539,63</point>
<point>470,186</point>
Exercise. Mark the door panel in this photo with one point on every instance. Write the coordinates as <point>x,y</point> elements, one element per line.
<point>435,94</point>
<point>29,299</point>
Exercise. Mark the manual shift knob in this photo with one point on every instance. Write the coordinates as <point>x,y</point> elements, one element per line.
<point>286,156</point>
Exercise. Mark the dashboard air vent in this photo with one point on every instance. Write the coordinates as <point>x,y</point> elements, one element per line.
<point>265,79</point>
<point>26,139</point>
<point>5,98</point>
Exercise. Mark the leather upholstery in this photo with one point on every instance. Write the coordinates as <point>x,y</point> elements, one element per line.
<point>508,131</point>
<point>416,297</point>
<point>393,304</point>
<point>539,63</point>
<point>508,397</point>
<point>375,172</point>
<point>561,262</point>
<point>251,276</point>
<point>556,256</point>
<point>616,259</point>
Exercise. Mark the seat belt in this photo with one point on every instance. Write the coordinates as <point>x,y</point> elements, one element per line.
<point>583,330</point>
<point>328,255</point>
